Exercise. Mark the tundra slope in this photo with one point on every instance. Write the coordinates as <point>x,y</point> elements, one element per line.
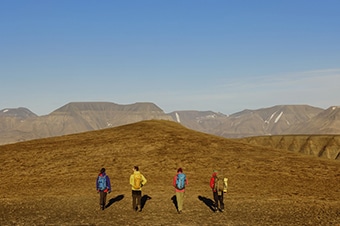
<point>51,180</point>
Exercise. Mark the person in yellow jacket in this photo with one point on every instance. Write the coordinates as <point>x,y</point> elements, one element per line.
<point>137,181</point>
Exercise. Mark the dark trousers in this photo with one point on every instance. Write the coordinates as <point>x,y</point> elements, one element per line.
<point>102,199</point>
<point>136,199</point>
<point>218,198</point>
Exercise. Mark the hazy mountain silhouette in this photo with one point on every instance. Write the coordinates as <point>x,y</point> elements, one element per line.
<point>77,117</point>
<point>20,113</point>
<point>203,121</point>
<point>265,121</point>
<point>21,124</point>
<point>326,122</point>
<point>10,117</point>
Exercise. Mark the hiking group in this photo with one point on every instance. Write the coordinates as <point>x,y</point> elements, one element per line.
<point>218,185</point>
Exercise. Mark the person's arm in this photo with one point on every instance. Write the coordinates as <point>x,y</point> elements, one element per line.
<point>131,180</point>
<point>174,181</point>
<point>143,180</point>
<point>108,183</point>
<point>212,180</point>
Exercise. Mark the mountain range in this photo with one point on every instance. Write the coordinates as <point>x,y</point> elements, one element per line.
<point>20,124</point>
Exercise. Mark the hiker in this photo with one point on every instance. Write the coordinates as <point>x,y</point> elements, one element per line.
<point>179,182</point>
<point>103,186</point>
<point>137,181</point>
<point>218,185</point>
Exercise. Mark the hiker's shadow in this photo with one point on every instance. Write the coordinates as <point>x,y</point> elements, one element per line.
<point>143,201</point>
<point>174,201</point>
<point>113,200</point>
<point>208,202</point>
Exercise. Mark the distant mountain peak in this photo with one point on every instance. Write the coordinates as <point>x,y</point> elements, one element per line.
<point>20,112</point>
<point>107,106</point>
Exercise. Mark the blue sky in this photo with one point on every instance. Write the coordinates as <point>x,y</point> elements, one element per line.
<point>219,55</point>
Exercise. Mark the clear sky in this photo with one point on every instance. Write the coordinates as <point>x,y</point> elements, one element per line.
<point>219,55</point>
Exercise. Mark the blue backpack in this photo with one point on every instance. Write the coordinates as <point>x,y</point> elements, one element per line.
<point>102,183</point>
<point>180,181</point>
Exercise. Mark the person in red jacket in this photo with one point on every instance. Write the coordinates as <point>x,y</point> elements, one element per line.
<point>179,182</point>
<point>215,183</point>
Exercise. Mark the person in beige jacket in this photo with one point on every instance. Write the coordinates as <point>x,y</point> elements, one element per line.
<point>137,181</point>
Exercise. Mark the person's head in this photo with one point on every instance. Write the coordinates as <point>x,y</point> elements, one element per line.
<point>215,172</point>
<point>136,168</point>
<point>102,170</point>
<point>180,170</point>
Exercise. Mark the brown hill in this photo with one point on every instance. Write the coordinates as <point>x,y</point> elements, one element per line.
<point>51,181</point>
<point>325,146</point>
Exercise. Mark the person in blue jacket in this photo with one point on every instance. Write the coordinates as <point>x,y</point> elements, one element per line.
<point>103,186</point>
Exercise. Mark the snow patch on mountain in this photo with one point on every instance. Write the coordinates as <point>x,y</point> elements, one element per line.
<point>271,117</point>
<point>177,118</point>
<point>211,116</point>
<point>287,122</point>
<point>278,117</point>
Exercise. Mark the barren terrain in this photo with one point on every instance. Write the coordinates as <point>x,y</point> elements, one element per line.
<point>324,146</point>
<point>52,181</point>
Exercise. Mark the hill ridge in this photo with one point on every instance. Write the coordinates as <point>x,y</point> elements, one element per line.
<point>258,191</point>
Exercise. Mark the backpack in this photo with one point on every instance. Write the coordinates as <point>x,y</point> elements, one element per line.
<point>102,182</point>
<point>137,181</point>
<point>221,185</point>
<point>180,181</point>
<point>225,185</point>
<point>216,183</point>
